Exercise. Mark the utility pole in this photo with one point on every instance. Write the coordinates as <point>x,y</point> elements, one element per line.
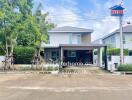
<point>117,11</point>
<point>121,42</point>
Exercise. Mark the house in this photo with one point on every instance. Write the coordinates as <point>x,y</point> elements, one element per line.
<point>72,45</point>
<point>97,41</point>
<point>113,39</point>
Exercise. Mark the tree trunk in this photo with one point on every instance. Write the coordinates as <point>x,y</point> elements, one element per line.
<point>5,67</point>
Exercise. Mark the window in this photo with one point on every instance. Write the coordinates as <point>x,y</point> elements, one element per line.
<point>71,54</point>
<point>75,39</point>
<point>130,53</point>
<point>70,38</point>
<point>54,55</point>
<point>104,42</point>
<point>79,38</point>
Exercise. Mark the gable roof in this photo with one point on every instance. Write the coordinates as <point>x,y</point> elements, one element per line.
<point>126,29</point>
<point>70,29</point>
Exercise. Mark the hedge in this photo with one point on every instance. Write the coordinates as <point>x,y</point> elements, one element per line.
<point>125,67</point>
<point>23,55</point>
<point>114,52</point>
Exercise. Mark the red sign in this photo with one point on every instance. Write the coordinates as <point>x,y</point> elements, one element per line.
<point>117,12</point>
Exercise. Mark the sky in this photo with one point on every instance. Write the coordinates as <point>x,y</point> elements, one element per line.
<point>90,14</point>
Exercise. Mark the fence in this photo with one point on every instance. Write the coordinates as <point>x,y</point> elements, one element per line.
<point>2,58</point>
<point>116,59</point>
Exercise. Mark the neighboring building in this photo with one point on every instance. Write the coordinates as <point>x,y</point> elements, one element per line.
<point>98,41</point>
<point>71,44</point>
<point>113,39</point>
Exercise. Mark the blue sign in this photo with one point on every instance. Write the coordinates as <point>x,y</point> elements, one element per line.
<point>117,10</point>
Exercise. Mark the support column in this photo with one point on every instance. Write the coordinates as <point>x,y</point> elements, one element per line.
<point>105,58</point>
<point>93,58</point>
<point>61,56</point>
<point>100,57</point>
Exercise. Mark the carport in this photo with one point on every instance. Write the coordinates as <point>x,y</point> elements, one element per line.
<point>75,48</point>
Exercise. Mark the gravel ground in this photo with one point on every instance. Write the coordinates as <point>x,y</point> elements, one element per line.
<point>65,87</point>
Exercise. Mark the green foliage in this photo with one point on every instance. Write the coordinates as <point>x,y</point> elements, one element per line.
<point>125,67</point>
<point>25,39</point>
<point>14,16</point>
<point>44,26</point>
<point>19,26</point>
<point>2,52</point>
<point>23,55</point>
<point>116,51</point>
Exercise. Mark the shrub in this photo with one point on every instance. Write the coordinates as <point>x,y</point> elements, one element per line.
<point>125,67</point>
<point>1,51</point>
<point>23,55</point>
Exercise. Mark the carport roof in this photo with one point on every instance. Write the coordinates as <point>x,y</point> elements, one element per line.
<point>75,45</point>
<point>82,45</point>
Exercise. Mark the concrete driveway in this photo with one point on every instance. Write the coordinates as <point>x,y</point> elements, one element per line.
<point>65,87</point>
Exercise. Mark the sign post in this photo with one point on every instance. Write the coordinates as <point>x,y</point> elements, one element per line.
<point>117,11</point>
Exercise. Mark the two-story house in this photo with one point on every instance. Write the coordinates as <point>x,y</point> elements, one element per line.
<point>113,39</point>
<point>71,44</point>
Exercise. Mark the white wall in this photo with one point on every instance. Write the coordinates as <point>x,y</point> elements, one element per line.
<point>111,40</point>
<point>63,38</point>
<point>59,38</point>
<point>128,41</point>
<point>116,59</point>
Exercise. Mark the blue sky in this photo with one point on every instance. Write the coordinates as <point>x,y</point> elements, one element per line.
<point>93,14</point>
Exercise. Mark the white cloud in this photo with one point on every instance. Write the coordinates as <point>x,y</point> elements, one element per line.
<point>67,15</point>
<point>63,16</point>
<point>104,27</point>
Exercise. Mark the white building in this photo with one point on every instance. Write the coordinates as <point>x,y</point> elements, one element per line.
<point>113,39</point>
<point>72,44</point>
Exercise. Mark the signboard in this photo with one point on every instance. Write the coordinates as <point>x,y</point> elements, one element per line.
<point>117,10</point>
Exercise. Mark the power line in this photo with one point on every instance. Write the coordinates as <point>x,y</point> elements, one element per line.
<point>67,19</point>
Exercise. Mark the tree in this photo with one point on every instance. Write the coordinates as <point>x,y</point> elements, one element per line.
<point>25,39</point>
<point>8,20</point>
<point>15,17</point>
<point>20,27</point>
<point>44,26</point>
